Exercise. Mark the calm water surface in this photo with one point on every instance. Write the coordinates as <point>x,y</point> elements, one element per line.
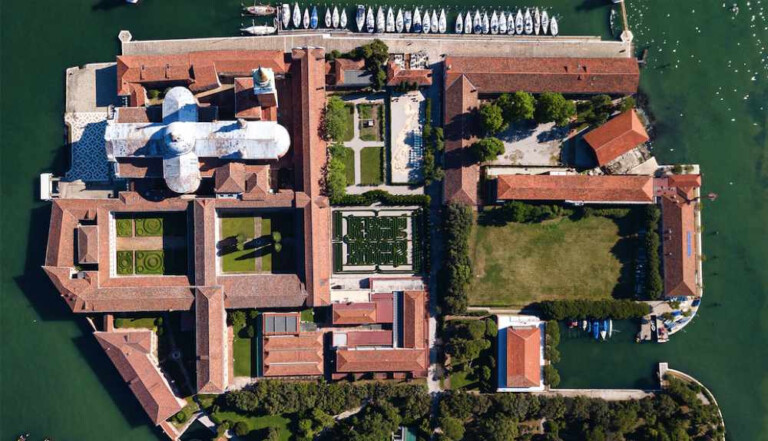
<point>707,85</point>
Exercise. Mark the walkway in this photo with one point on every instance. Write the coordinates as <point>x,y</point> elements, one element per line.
<point>356,143</point>
<point>605,394</point>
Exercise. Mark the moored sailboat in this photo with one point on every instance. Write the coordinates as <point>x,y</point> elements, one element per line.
<point>343,19</point>
<point>544,22</point>
<point>285,15</point>
<point>468,23</point>
<point>369,21</point>
<point>486,23</point>
<point>519,23</point>
<point>328,21</point>
<point>433,23</point>
<point>399,21</point>
<point>390,27</point>
<point>417,21</point>
<point>296,15</point>
<point>553,27</point>
<point>502,23</point>
<point>536,21</point>
<point>380,21</point>
<point>477,25</point>
<point>408,20</point>
<point>528,22</point>
<point>442,24</point>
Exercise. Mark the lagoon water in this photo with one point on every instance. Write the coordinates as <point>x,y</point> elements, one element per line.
<point>707,85</point>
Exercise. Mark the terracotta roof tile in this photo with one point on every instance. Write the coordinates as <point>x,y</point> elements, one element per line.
<point>230,178</point>
<point>619,76</point>
<point>414,320</point>
<point>576,188</point>
<point>461,172</point>
<point>291,355</point>
<point>397,75</point>
<point>679,243</point>
<point>616,137</point>
<point>211,341</point>
<point>131,353</point>
<point>523,357</point>
<point>88,244</point>
<point>353,313</point>
<point>381,337</point>
<point>382,360</point>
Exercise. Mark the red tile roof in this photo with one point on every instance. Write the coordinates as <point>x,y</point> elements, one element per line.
<point>397,75</point>
<point>131,353</point>
<point>679,239</point>
<point>88,244</point>
<point>353,313</point>
<point>576,188</point>
<point>616,137</point>
<point>369,338</point>
<point>523,357</point>
<point>461,172</point>
<point>230,178</point>
<point>414,320</point>
<point>211,341</point>
<point>291,355</point>
<point>616,76</point>
<point>382,360</point>
<point>343,64</point>
<point>257,184</point>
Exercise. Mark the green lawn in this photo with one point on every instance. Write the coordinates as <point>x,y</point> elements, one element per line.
<point>257,423</point>
<point>349,164</point>
<point>349,124</point>
<point>463,380</point>
<point>258,253</point>
<point>308,315</point>
<point>266,230</point>
<point>124,227</point>
<point>150,262</point>
<point>370,112</point>
<point>136,322</point>
<point>243,355</point>
<point>238,261</point>
<point>370,166</point>
<point>517,264</point>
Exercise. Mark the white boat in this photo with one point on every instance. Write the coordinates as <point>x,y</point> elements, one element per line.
<point>486,23</point>
<point>610,328</point>
<point>328,19</point>
<point>433,23</point>
<point>286,15</point>
<point>553,26</point>
<point>477,24</point>
<point>369,21</point>
<point>459,24</point>
<point>467,23</point>
<point>536,21</point>
<point>528,22</point>
<point>343,19</point>
<point>502,23</point>
<point>584,325</point>
<point>408,20</point>
<point>296,16</point>
<point>442,23</point>
<point>380,22</point>
<point>416,20</point>
<point>426,25</point>
<point>494,23</point>
<point>335,17</point>
<point>399,21</point>
<point>519,23</point>
<point>305,20</point>
<point>603,333</point>
<point>511,23</point>
<point>261,10</point>
<point>390,20</point>
<point>259,30</point>
<point>544,22</point>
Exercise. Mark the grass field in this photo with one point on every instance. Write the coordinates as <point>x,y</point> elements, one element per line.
<point>463,380</point>
<point>349,164</point>
<point>518,264</point>
<point>257,253</point>
<point>256,423</point>
<point>243,357</point>
<point>369,112</point>
<point>349,124</point>
<point>137,322</point>
<point>370,166</point>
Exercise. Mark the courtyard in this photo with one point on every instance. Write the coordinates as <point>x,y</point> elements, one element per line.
<point>364,151</point>
<point>151,244</point>
<point>532,144</point>
<point>256,242</point>
<point>516,264</point>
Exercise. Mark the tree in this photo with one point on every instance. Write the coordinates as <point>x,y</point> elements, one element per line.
<point>379,79</point>
<point>335,119</point>
<point>273,434</point>
<point>553,107</point>
<point>236,318</point>
<point>462,350</point>
<point>241,428</point>
<point>498,428</point>
<point>491,328</point>
<point>626,104</point>
<point>277,237</point>
<point>336,178</point>
<point>487,149</point>
<point>453,428</point>
<point>518,106</point>
<point>491,119</point>
<point>551,376</point>
<point>250,331</point>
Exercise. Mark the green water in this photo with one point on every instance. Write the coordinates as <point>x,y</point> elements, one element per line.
<point>56,381</point>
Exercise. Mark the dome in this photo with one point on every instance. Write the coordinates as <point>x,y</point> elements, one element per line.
<point>179,138</point>
<point>179,105</point>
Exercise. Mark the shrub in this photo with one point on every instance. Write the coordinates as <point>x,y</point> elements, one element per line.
<point>336,178</point>
<point>487,149</point>
<point>626,104</point>
<point>124,227</point>
<point>457,224</point>
<point>241,428</point>
<point>153,94</point>
<point>551,376</point>
<point>491,328</point>
<point>236,318</point>
<point>553,107</point>
<point>491,119</point>
<point>335,119</point>
<point>124,263</point>
<point>597,309</point>
<point>250,331</point>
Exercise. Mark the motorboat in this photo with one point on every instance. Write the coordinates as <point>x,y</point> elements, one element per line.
<point>296,15</point>
<point>528,22</point>
<point>519,23</point>
<point>511,23</point>
<point>477,24</point>
<point>426,24</point>
<point>390,20</point>
<point>486,23</point>
<point>416,20</point>
<point>459,24</point>
<point>369,21</point>
<point>536,21</point>
<point>380,22</point>
<point>306,20</point>
<point>553,26</point>
<point>610,328</point>
<point>596,329</point>
<point>494,23</point>
<point>408,20</point>
<point>328,19</point>
<point>313,18</point>
<point>399,21</point>
<point>286,15</point>
<point>502,23</point>
<point>544,22</point>
<point>584,325</point>
<point>442,22</point>
<point>589,326</point>
<point>259,30</point>
<point>343,19</point>
<point>468,23</point>
<point>261,10</point>
<point>335,17</point>
<point>360,18</point>
<point>433,23</point>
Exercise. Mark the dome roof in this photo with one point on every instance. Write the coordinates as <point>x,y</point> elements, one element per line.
<point>179,105</point>
<point>179,138</point>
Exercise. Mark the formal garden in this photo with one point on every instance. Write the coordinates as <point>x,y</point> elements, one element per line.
<point>371,166</point>
<point>151,244</point>
<point>256,242</point>
<point>376,241</point>
<point>371,121</point>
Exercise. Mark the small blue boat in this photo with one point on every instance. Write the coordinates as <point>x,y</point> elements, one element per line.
<point>596,329</point>
<point>313,18</point>
<point>604,330</point>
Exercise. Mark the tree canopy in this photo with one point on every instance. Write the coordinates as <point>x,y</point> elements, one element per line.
<point>491,119</point>
<point>518,106</point>
<point>553,107</point>
<point>335,119</point>
<point>487,149</point>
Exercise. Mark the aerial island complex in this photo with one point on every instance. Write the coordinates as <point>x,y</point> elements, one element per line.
<point>313,235</point>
